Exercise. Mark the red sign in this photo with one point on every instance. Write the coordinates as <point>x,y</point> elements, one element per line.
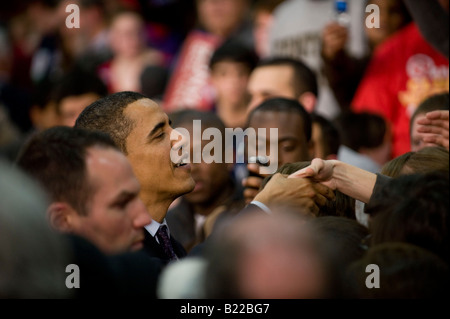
<point>189,85</point>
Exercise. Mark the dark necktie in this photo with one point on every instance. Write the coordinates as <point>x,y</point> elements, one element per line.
<point>164,241</point>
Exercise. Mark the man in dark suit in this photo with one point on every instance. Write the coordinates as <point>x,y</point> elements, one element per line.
<point>35,257</point>
<point>94,192</point>
<point>143,133</point>
<point>92,201</point>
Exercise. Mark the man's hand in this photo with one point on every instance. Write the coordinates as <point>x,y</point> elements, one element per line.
<point>334,38</point>
<point>299,192</point>
<point>319,171</point>
<point>252,184</point>
<point>348,179</point>
<point>435,126</point>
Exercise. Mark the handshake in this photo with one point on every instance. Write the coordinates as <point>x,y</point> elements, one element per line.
<point>297,190</point>
<point>308,185</point>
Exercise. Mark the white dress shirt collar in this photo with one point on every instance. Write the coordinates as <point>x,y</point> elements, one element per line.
<point>153,227</point>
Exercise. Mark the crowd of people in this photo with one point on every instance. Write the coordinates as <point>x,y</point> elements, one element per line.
<point>117,169</point>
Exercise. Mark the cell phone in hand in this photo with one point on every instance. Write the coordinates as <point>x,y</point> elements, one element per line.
<point>260,160</point>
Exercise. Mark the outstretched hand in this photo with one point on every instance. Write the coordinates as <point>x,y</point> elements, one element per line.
<point>319,171</point>
<point>301,192</point>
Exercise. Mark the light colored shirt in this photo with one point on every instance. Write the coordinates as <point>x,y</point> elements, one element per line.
<point>199,222</point>
<point>153,227</point>
<point>349,156</point>
<point>262,206</point>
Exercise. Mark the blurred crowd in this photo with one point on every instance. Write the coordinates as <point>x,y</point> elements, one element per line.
<point>96,95</point>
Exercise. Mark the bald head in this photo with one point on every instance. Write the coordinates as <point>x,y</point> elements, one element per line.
<point>267,257</point>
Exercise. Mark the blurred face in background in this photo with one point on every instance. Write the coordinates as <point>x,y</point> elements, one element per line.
<point>230,81</point>
<point>44,117</point>
<point>393,16</point>
<point>292,144</point>
<point>270,81</point>
<point>127,35</point>
<point>211,179</point>
<point>261,30</point>
<point>45,19</point>
<point>221,17</point>
<point>71,106</point>
<point>382,153</point>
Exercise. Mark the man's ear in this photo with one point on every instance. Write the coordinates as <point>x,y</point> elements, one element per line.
<point>61,216</point>
<point>308,100</point>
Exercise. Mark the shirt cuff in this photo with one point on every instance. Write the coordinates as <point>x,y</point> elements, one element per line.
<point>261,205</point>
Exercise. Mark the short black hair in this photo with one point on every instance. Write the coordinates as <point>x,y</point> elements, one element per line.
<point>358,130</point>
<point>235,51</point>
<point>208,118</point>
<point>305,80</point>
<point>56,158</point>
<point>77,82</point>
<point>280,104</point>
<point>106,115</point>
<point>153,80</point>
<point>330,134</point>
<point>74,82</point>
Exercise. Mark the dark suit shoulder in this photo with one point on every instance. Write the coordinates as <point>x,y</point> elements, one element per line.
<point>137,274</point>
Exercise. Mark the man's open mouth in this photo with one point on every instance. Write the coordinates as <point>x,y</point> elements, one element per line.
<point>180,164</point>
<point>183,161</point>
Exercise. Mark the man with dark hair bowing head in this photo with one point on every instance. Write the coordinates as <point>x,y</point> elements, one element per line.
<point>142,130</point>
